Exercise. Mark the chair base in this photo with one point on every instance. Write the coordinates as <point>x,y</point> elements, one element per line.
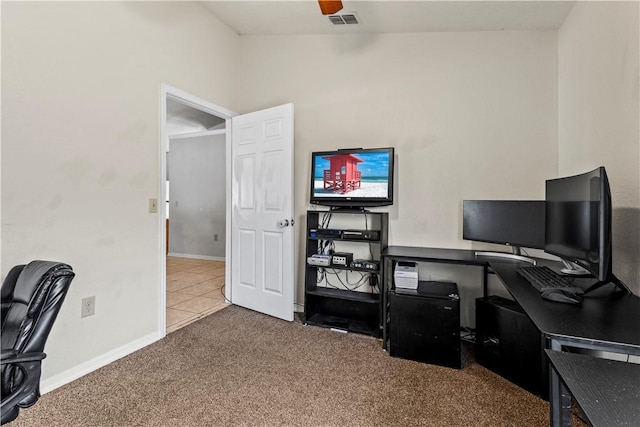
<point>10,415</point>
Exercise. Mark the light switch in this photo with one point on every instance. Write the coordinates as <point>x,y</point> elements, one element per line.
<point>153,205</point>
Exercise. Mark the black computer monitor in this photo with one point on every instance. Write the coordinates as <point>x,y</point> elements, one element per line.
<point>578,223</point>
<point>517,223</point>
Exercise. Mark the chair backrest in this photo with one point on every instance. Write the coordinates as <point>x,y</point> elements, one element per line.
<point>31,299</point>
<point>6,291</point>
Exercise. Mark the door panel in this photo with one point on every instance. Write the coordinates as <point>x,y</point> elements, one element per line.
<point>247,249</point>
<point>273,266</point>
<point>262,208</point>
<point>246,181</point>
<point>273,181</point>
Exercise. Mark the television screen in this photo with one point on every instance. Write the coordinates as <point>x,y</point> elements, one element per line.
<point>352,178</point>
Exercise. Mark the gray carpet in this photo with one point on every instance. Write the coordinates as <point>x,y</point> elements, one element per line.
<point>238,367</point>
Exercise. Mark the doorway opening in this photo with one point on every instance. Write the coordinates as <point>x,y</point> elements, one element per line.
<point>194,218</point>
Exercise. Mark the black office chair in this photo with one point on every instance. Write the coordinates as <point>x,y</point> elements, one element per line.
<point>31,297</point>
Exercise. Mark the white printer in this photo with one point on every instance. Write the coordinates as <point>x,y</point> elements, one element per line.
<point>405,275</point>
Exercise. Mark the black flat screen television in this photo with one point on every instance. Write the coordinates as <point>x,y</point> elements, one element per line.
<point>578,223</point>
<point>517,223</point>
<point>352,178</point>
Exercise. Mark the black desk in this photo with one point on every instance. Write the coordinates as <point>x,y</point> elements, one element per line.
<point>607,391</point>
<point>607,320</point>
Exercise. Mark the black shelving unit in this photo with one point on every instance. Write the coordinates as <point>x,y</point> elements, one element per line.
<point>331,302</point>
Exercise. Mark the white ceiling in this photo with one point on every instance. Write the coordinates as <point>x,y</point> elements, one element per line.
<point>390,16</point>
<point>184,119</point>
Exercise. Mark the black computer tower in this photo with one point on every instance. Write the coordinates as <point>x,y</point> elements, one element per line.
<point>424,324</point>
<point>508,343</point>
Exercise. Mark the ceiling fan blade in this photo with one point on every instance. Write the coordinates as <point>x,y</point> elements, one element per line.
<point>329,7</point>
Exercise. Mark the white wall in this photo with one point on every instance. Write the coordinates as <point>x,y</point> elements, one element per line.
<point>197,177</point>
<point>471,115</point>
<point>599,117</point>
<point>80,152</point>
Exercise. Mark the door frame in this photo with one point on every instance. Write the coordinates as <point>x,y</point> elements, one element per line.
<point>197,103</point>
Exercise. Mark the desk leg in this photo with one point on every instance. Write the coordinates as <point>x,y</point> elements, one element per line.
<point>387,281</point>
<point>485,280</point>
<point>559,396</point>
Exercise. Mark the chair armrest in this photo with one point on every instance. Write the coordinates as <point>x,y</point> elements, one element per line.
<point>6,354</point>
<point>11,356</point>
<point>26,390</point>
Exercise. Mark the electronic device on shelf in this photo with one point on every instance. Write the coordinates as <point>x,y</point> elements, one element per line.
<point>332,233</point>
<point>341,258</point>
<point>578,224</point>
<point>365,264</point>
<point>545,279</point>
<point>405,275</point>
<point>517,223</point>
<point>353,178</point>
<point>319,260</point>
<point>361,234</point>
<point>328,233</point>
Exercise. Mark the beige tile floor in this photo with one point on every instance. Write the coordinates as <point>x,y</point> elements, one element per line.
<point>194,290</point>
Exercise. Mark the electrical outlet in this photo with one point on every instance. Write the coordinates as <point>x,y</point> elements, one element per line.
<point>153,205</point>
<point>88,306</point>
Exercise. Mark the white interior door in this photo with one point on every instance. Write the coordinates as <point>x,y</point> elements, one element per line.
<point>262,240</point>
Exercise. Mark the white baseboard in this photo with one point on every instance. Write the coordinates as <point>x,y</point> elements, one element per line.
<point>83,369</point>
<point>207,257</point>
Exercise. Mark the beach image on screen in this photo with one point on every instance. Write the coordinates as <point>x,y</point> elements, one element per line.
<point>354,175</point>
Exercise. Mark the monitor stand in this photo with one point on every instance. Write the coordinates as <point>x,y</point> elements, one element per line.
<point>575,270</point>
<point>571,269</point>
<point>516,255</point>
<point>613,279</point>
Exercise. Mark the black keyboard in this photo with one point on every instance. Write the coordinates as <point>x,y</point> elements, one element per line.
<point>543,279</point>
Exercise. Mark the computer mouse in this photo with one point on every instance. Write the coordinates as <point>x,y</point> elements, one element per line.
<point>561,295</point>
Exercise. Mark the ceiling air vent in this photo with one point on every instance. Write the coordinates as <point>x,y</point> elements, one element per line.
<point>348,19</point>
<point>336,20</point>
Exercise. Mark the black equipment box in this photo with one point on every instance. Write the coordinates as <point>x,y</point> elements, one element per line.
<point>329,233</point>
<point>334,233</point>
<point>508,343</point>
<point>424,324</point>
<point>364,264</point>
<point>361,234</point>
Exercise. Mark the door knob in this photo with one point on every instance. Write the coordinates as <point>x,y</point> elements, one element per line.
<point>283,223</point>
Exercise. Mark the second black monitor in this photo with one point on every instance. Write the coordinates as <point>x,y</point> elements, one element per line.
<point>518,223</point>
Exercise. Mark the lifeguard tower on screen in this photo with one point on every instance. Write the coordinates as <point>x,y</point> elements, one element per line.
<point>343,174</point>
